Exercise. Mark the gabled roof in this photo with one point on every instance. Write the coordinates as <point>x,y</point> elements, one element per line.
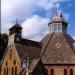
<point>58,49</point>
<point>28,48</point>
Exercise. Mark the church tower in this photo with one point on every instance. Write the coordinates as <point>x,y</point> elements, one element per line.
<point>16,31</point>
<point>58,24</point>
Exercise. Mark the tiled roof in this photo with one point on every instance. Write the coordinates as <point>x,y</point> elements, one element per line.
<point>33,64</point>
<point>58,48</point>
<point>28,48</point>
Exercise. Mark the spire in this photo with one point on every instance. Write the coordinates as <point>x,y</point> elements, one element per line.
<point>58,12</point>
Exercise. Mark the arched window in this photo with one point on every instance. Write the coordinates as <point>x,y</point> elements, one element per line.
<point>71,71</point>
<point>6,63</point>
<point>51,72</point>
<point>15,70</point>
<point>48,71</point>
<point>7,71</point>
<point>14,62</point>
<point>12,71</point>
<point>10,53</point>
<point>65,71</point>
<point>4,71</point>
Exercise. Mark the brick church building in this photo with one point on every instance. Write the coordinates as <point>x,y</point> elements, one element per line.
<point>53,55</point>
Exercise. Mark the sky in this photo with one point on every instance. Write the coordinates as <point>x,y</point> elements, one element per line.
<point>34,16</point>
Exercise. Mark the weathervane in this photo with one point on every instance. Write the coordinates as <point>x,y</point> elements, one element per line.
<point>57,6</point>
<point>16,20</point>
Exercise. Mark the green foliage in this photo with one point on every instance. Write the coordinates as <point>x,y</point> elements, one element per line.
<point>3,43</point>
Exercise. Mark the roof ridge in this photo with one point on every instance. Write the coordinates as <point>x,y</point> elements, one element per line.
<point>46,44</point>
<point>33,64</point>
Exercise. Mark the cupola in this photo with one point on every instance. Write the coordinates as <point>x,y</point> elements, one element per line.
<point>58,23</point>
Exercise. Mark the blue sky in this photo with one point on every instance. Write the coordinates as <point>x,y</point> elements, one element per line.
<point>34,15</point>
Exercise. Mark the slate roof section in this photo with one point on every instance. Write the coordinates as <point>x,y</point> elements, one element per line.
<point>28,48</point>
<point>58,48</point>
<point>34,64</point>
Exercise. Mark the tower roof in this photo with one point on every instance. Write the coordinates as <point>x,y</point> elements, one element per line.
<point>16,26</point>
<point>57,18</point>
<point>58,48</point>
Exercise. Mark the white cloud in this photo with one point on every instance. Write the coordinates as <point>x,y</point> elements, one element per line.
<point>24,9</point>
<point>35,27</point>
<point>11,9</point>
<point>66,16</point>
<point>74,37</point>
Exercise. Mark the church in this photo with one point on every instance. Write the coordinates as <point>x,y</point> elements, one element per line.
<point>53,55</point>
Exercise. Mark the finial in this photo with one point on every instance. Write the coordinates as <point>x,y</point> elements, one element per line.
<point>16,20</point>
<point>57,7</point>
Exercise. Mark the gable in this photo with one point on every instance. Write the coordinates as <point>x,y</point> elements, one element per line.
<point>10,54</point>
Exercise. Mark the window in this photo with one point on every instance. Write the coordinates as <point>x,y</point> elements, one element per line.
<point>71,72</point>
<point>50,28</point>
<point>15,70</point>
<point>59,27</point>
<point>10,53</point>
<point>51,72</point>
<point>4,71</point>
<point>12,71</point>
<point>6,63</point>
<point>48,70</point>
<point>55,27</point>
<point>7,71</point>
<point>14,62</point>
<point>64,29</point>
<point>65,71</point>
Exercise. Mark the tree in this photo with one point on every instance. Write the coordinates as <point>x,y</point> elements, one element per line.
<point>3,43</point>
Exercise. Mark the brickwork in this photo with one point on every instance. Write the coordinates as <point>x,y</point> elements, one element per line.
<point>11,60</point>
<point>59,70</point>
